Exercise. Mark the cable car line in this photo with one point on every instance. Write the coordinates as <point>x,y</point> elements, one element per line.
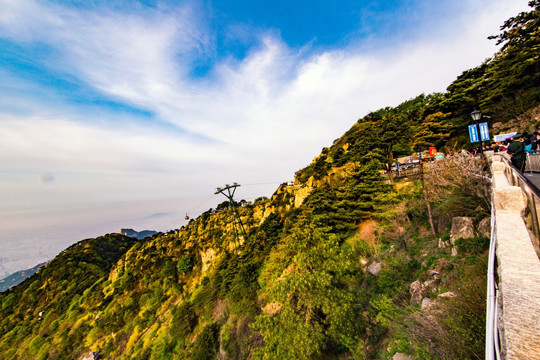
<point>264,183</point>
<point>188,214</point>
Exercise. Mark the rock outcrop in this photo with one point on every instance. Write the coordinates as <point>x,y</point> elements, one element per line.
<point>401,356</point>
<point>462,228</point>
<point>426,302</point>
<point>484,227</point>
<point>374,268</point>
<point>420,290</point>
<point>93,355</point>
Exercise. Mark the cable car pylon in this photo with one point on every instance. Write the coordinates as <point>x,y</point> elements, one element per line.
<point>228,191</point>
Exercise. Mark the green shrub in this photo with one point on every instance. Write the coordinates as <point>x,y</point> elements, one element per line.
<point>315,300</point>
<point>457,329</point>
<point>207,344</point>
<point>36,344</point>
<point>185,265</point>
<point>184,320</point>
<point>162,349</point>
<point>474,246</point>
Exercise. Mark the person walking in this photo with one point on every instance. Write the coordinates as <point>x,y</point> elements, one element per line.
<point>516,150</point>
<point>534,141</point>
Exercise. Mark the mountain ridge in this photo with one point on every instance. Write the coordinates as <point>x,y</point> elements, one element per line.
<point>338,265</point>
<point>19,276</point>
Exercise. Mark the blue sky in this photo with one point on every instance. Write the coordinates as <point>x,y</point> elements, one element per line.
<point>111,111</point>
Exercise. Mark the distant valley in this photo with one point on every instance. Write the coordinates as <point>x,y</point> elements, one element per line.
<point>14,278</point>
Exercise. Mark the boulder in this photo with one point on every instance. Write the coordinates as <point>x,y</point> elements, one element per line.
<point>443,224</point>
<point>417,292</point>
<point>420,290</point>
<point>431,285</point>
<point>425,304</point>
<point>401,356</point>
<point>93,355</point>
<point>447,294</point>
<point>484,227</point>
<point>442,243</point>
<point>374,268</point>
<point>462,228</point>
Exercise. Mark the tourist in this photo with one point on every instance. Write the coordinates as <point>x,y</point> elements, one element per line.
<point>534,141</point>
<point>516,150</point>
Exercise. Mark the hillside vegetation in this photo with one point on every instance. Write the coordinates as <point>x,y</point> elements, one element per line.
<point>336,266</point>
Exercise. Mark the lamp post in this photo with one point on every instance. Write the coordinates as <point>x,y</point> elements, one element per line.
<point>476,116</point>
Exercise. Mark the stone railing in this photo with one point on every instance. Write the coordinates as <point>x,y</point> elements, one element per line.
<point>518,270</point>
<point>532,195</point>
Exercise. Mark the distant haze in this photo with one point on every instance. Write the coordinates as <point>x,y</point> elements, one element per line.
<point>37,236</point>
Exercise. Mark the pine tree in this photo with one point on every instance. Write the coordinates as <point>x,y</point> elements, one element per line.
<point>432,130</point>
<point>514,73</point>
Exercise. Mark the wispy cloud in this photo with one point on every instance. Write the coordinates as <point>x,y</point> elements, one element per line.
<point>165,132</point>
<point>274,98</point>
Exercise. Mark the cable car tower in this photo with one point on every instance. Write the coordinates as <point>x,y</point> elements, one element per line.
<point>237,222</point>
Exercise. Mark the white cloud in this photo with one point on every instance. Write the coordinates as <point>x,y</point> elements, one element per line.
<point>268,114</point>
<point>62,145</point>
<point>145,60</point>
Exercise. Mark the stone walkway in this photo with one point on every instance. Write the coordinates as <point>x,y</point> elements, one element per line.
<point>518,269</point>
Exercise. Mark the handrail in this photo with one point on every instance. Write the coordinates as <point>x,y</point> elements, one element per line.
<point>492,331</point>
<point>496,327</point>
<point>522,177</point>
<point>532,193</point>
<point>533,162</point>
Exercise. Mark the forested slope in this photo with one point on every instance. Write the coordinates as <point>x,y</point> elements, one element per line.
<point>335,267</point>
